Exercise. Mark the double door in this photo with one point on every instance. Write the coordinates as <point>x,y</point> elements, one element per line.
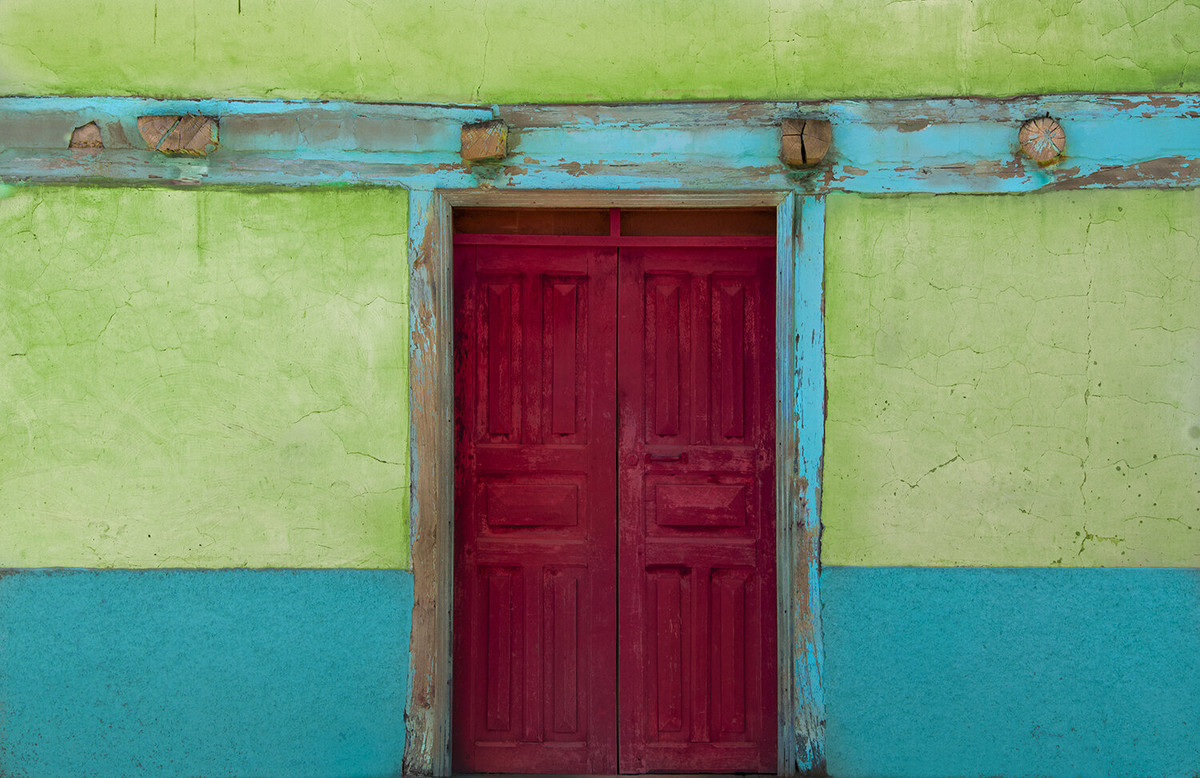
<point>614,509</point>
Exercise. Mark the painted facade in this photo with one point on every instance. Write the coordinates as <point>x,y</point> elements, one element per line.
<point>216,516</point>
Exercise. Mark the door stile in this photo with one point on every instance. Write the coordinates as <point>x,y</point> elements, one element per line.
<point>602,399</point>
<point>630,551</point>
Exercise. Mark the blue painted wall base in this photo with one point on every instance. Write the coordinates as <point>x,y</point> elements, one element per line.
<point>213,673</point>
<point>1012,672</point>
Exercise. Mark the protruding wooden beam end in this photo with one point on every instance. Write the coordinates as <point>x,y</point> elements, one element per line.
<point>485,141</point>
<point>189,135</point>
<point>1043,139</point>
<point>804,142</point>
<point>86,137</point>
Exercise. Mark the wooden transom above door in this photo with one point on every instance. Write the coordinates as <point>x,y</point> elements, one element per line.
<point>614,500</point>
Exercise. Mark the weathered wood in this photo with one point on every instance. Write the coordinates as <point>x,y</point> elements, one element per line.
<point>936,146</point>
<point>431,446</point>
<point>800,394</point>
<point>86,137</point>
<point>484,141</point>
<point>122,166</point>
<point>806,465</point>
<point>188,134</point>
<point>1042,139</point>
<point>427,717</point>
<point>785,482</point>
<point>804,142</point>
<point>1158,173</point>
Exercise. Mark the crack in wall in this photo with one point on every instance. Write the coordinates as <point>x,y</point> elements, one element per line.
<point>1037,368</point>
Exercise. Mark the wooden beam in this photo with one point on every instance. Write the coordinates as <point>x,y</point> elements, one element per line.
<point>935,146</point>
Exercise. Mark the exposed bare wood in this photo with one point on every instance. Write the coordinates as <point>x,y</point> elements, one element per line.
<point>804,142</point>
<point>1152,172</point>
<point>189,134</point>
<point>86,137</point>
<point>485,141</point>
<point>1042,139</point>
<point>431,442</point>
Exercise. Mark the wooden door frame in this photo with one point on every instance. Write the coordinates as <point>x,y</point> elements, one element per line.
<point>800,416</point>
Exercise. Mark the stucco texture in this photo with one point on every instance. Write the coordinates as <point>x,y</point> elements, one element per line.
<point>203,379</point>
<point>116,673</point>
<point>1052,672</point>
<point>479,51</point>
<point>1013,380</point>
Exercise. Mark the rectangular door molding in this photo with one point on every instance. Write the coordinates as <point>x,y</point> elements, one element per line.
<point>538,507</point>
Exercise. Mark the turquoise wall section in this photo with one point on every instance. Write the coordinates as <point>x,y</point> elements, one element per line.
<point>941,672</point>
<point>213,673</point>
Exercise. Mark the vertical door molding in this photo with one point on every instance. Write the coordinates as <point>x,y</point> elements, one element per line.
<point>800,438</point>
<point>431,508</point>
<point>800,387</point>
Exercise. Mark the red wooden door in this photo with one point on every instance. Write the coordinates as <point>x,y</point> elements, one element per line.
<point>535,501</point>
<point>697,496</point>
<point>541,534</point>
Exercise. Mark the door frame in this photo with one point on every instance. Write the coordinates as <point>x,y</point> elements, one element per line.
<point>799,435</point>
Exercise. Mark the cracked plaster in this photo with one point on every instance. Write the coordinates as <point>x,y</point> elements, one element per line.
<point>203,379</point>
<point>625,50</point>
<point>1013,380</point>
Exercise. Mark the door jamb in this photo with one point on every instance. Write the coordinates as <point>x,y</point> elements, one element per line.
<point>800,400</point>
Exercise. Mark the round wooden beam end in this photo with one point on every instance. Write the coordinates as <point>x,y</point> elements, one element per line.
<point>1043,139</point>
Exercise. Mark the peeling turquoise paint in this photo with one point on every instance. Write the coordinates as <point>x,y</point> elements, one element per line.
<point>214,673</point>
<point>809,415</point>
<point>879,146</point>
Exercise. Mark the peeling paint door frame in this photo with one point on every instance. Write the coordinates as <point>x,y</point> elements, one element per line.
<point>800,390</point>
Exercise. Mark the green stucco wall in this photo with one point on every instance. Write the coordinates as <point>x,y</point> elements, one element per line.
<point>1013,380</point>
<point>629,50</point>
<point>203,379</point>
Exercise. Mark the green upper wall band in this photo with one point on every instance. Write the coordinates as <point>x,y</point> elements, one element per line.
<point>1013,381</point>
<point>203,379</point>
<point>622,50</point>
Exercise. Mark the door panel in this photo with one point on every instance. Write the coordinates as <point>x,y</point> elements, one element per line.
<point>553,499</point>
<point>696,533</point>
<point>535,497</point>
